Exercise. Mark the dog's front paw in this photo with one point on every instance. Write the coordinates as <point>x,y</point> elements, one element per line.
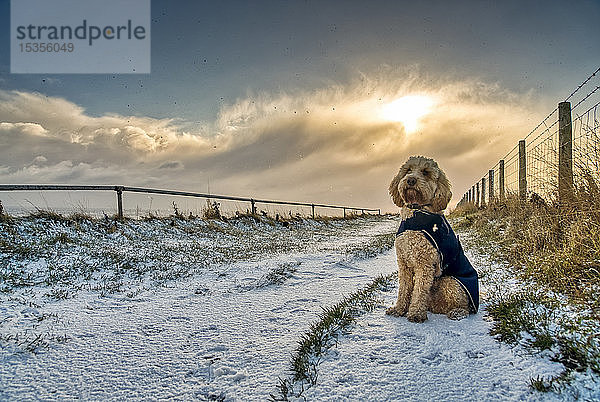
<point>417,316</point>
<point>457,314</point>
<point>395,311</point>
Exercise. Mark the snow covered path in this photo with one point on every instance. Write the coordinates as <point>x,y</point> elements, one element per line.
<point>224,335</point>
<point>388,358</point>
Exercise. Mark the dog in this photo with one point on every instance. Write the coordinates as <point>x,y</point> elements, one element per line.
<point>433,272</point>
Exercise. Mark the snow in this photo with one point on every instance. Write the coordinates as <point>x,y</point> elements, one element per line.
<point>222,332</point>
<point>389,358</point>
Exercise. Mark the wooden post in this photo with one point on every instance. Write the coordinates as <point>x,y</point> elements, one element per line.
<point>565,153</point>
<point>491,186</point>
<point>477,196</point>
<point>483,191</point>
<point>522,171</point>
<point>379,211</point>
<point>344,212</point>
<point>119,190</point>
<point>501,180</point>
<point>313,210</point>
<point>253,204</point>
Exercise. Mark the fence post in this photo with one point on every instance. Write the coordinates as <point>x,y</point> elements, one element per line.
<point>477,197</point>
<point>565,153</point>
<point>379,211</point>
<point>501,180</point>
<point>483,191</point>
<point>491,186</point>
<point>253,205</point>
<point>313,210</point>
<point>344,212</point>
<point>119,190</point>
<point>522,171</point>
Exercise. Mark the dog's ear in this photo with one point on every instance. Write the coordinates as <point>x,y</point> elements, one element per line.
<point>394,192</point>
<point>442,195</point>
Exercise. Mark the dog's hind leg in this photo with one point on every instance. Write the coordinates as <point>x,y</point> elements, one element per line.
<point>405,288</point>
<point>448,297</point>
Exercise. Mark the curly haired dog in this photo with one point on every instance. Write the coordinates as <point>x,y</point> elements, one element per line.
<point>433,272</point>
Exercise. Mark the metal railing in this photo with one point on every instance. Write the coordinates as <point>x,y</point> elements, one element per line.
<point>121,189</point>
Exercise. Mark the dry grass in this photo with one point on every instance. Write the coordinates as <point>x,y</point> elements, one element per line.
<point>558,246</point>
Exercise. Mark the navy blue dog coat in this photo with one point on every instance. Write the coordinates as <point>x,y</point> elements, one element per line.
<point>454,262</point>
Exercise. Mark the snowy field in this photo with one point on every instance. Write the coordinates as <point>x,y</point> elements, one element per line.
<point>196,310</point>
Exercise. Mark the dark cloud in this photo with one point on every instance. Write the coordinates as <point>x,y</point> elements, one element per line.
<point>171,165</point>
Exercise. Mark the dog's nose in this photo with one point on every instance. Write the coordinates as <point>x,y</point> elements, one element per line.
<point>411,181</point>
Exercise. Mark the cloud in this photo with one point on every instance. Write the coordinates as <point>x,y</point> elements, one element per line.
<point>172,165</point>
<point>326,145</point>
<point>32,129</point>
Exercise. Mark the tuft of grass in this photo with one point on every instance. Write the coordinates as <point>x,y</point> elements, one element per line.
<point>80,217</point>
<point>211,211</point>
<point>552,383</point>
<point>49,215</point>
<point>377,245</point>
<point>523,312</point>
<point>323,334</point>
<point>61,238</point>
<point>32,343</point>
<point>540,384</point>
<point>4,217</point>
<point>278,275</point>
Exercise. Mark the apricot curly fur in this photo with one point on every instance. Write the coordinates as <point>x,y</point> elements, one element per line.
<point>421,287</point>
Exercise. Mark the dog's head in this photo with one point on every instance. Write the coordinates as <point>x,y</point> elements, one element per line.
<point>421,181</point>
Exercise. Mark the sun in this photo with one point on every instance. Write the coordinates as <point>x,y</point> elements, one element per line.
<point>407,110</point>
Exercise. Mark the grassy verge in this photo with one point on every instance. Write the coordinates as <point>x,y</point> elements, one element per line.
<point>554,252</point>
<point>322,336</point>
<point>46,257</point>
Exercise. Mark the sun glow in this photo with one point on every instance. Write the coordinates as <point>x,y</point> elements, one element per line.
<point>407,110</point>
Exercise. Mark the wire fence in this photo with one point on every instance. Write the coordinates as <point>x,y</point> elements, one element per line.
<point>559,155</point>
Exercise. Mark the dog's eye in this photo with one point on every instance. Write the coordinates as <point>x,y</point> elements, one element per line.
<point>425,172</point>
<point>408,170</point>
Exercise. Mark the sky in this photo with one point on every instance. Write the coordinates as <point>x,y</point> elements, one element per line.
<point>291,100</point>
